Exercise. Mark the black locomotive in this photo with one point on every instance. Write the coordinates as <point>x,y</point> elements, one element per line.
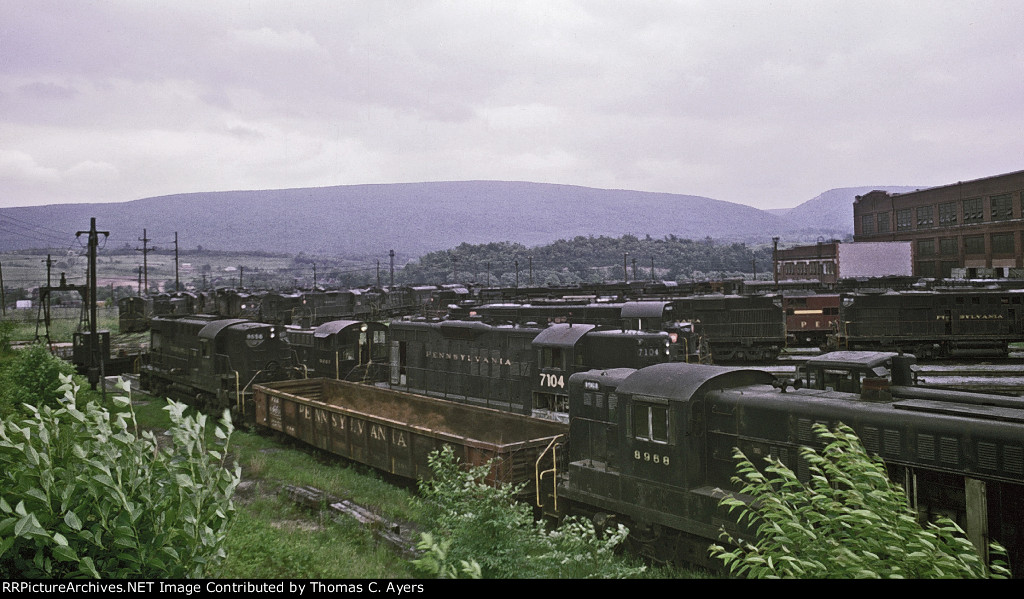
<point>347,350</point>
<point>932,324</point>
<point>522,369</point>
<point>212,362</point>
<point>654,447</point>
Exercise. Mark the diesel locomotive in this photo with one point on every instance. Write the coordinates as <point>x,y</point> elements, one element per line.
<point>932,324</point>
<point>653,447</point>
<point>212,362</point>
<point>521,369</point>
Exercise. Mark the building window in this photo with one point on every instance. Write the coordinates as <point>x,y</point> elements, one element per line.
<point>926,269</point>
<point>947,246</point>
<point>925,217</point>
<point>972,211</point>
<point>1002,243</point>
<point>946,267</point>
<point>947,214</point>
<point>1002,207</point>
<point>883,222</point>
<point>903,222</point>
<point>974,244</point>
<point>867,224</point>
<point>925,247</point>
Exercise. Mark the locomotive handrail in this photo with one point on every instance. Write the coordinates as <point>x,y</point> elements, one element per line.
<point>552,447</point>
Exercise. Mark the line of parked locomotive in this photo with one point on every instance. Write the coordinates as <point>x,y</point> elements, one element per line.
<point>648,438</point>
<point>721,327</point>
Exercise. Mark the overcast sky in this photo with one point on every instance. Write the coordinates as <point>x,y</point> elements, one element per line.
<point>765,103</point>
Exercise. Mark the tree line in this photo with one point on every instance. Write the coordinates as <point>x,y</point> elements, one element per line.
<point>590,260</point>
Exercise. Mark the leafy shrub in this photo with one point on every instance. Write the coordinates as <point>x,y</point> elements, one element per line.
<point>32,376</point>
<point>480,531</point>
<point>83,494</point>
<point>6,333</point>
<point>848,521</point>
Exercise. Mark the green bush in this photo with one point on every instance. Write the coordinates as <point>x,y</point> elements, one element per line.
<point>848,521</point>
<point>84,494</point>
<point>480,531</point>
<point>31,376</point>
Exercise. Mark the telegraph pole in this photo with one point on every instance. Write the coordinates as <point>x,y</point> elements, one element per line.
<point>145,265</point>
<point>177,286</point>
<point>775,261</point>
<point>392,255</point>
<point>94,353</point>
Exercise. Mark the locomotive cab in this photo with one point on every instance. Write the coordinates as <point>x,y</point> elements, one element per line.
<point>866,373</point>
<point>564,349</point>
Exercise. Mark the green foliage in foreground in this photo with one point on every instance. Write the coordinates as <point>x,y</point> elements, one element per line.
<point>848,521</point>
<point>31,376</point>
<point>85,495</point>
<point>480,531</point>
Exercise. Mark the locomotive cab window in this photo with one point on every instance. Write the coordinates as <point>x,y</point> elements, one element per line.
<point>650,422</point>
<point>552,357</point>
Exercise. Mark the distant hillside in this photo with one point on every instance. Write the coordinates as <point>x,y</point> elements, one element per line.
<point>831,213</point>
<point>416,218</point>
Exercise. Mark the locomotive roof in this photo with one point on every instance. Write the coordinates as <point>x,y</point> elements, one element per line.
<point>681,381</point>
<point>562,335</point>
<point>646,309</point>
<point>330,328</point>
<point>211,330</point>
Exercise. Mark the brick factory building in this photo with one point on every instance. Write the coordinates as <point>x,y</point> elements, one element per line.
<point>971,224</point>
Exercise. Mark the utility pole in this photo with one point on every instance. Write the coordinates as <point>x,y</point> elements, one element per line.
<point>775,261</point>
<point>94,352</point>
<point>3,297</point>
<point>625,272</point>
<point>531,271</point>
<point>145,264</point>
<point>177,286</point>
<point>46,304</point>
<point>652,269</point>
<point>391,254</point>
<point>314,275</point>
<point>634,269</point>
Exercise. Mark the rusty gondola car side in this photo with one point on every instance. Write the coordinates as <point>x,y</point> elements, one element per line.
<point>395,431</point>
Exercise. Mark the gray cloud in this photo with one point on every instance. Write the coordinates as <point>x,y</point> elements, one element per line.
<point>766,104</point>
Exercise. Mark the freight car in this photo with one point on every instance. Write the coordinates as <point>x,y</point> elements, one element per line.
<point>212,362</point>
<point>653,447</point>
<point>520,369</point>
<point>932,324</point>
<point>396,431</point>
<point>810,318</point>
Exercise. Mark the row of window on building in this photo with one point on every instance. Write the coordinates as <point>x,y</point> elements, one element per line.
<point>947,214</point>
<point>807,268</point>
<point>998,243</point>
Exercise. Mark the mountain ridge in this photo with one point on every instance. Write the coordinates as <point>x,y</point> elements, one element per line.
<point>416,218</point>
